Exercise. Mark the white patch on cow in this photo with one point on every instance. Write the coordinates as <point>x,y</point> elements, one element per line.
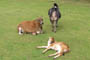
<point>55,6</point>
<point>20,30</point>
<point>38,32</point>
<point>59,48</point>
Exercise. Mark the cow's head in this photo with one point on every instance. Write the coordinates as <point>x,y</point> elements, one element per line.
<point>40,20</point>
<point>51,40</point>
<point>55,5</point>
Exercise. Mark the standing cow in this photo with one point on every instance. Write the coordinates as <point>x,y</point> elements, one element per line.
<point>54,15</point>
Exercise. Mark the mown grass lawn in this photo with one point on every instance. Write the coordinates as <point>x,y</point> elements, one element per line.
<point>74,29</point>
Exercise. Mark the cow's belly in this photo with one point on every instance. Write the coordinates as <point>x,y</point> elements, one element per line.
<point>56,47</point>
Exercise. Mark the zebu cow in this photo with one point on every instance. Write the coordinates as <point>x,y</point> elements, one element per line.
<point>54,15</point>
<point>34,26</point>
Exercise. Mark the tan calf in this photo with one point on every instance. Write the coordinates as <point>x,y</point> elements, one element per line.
<point>59,47</point>
<point>34,26</point>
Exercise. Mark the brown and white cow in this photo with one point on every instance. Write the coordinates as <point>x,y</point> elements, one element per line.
<point>34,26</point>
<point>59,47</point>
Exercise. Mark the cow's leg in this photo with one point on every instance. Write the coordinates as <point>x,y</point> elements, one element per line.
<point>60,54</point>
<point>46,49</point>
<point>40,31</point>
<point>42,46</point>
<point>54,26</point>
<point>51,21</point>
<point>56,23</point>
<point>20,31</point>
<point>53,54</point>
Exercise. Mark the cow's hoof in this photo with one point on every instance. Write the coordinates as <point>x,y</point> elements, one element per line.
<point>20,33</point>
<point>63,54</point>
<point>42,32</point>
<point>54,31</point>
<point>54,58</point>
<point>34,34</point>
<point>57,26</point>
<point>52,1</point>
<point>49,56</point>
<point>43,52</point>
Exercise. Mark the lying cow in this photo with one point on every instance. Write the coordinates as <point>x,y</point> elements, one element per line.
<point>59,47</point>
<point>34,26</point>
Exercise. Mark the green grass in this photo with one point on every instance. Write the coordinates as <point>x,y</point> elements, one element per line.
<point>74,29</point>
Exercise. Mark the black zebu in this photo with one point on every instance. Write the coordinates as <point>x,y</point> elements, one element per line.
<point>54,15</point>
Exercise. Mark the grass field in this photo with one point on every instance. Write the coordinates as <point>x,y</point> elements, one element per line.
<point>74,29</point>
